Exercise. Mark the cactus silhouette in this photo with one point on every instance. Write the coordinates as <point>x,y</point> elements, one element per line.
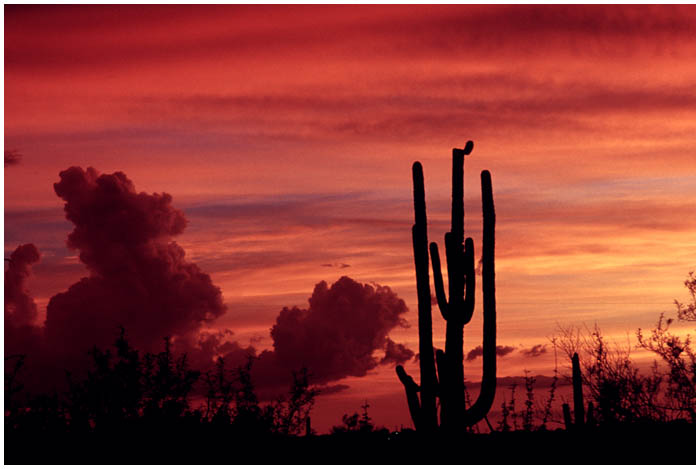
<point>578,391</point>
<point>577,382</point>
<point>457,309</point>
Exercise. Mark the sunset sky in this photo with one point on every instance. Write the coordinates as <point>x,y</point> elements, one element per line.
<point>286,134</point>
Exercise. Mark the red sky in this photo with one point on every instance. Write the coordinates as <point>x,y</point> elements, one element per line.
<point>286,136</point>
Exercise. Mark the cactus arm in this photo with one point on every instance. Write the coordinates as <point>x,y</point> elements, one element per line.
<point>488,383</point>
<point>411,396</point>
<point>437,278</point>
<point>470,280</point>
<point>428,376</point>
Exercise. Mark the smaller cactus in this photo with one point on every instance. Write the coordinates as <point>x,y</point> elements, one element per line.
<point>579,419</point>
<point>567,416</point>
<point>578,391</point>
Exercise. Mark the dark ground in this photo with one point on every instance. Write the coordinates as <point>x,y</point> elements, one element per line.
<point>653,444</point>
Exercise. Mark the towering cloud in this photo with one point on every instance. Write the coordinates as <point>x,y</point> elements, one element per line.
<point>20,308</point>
<point>22,335</point>
<point>138,277</point>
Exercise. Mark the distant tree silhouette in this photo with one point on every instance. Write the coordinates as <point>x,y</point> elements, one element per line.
<point>12,384</point>
<point>289,415</point>
<point>220,394</point>
<point>549,402</point>
<point>503,425</point>
<point>678,355</point>
<point>687,312</point>
<point>125,388</point>
<point>619,391</point>
<point>528,414</point>
<point>358,423</point>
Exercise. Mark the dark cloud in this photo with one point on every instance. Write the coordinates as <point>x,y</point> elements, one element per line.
<point>20,308</point>
<point>535,350</point>
<point>339,266</point>
<point>138,276</point>
<point>138,279</point>
<point>12,157</point>
<point>501,351</point>
<point>396,353</point>
<point>338,334</point>
<point>22,336</point>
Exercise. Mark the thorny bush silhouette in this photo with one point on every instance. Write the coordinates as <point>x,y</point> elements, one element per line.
<point>127,390</point>
<point>619,390</point>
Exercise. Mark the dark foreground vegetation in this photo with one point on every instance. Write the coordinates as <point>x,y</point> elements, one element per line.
<point>199,443</point>
<point>140,409</point>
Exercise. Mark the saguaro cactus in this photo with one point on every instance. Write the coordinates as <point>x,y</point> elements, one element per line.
<point>577,382</point>
<point>578,390</point>
<point>457,311</point>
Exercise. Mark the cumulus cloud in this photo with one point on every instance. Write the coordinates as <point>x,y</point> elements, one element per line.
<point>22,335</point>
<point>501,351</point>
<point>138,276</point>
<point>20,308</point>
<point>337,335</point>
<point>535,350</point>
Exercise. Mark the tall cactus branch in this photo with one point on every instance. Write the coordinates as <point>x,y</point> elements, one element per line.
<point>488,282</point>
<point>428,377</point>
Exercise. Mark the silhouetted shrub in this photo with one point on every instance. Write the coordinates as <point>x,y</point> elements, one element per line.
<point>620,391</point>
